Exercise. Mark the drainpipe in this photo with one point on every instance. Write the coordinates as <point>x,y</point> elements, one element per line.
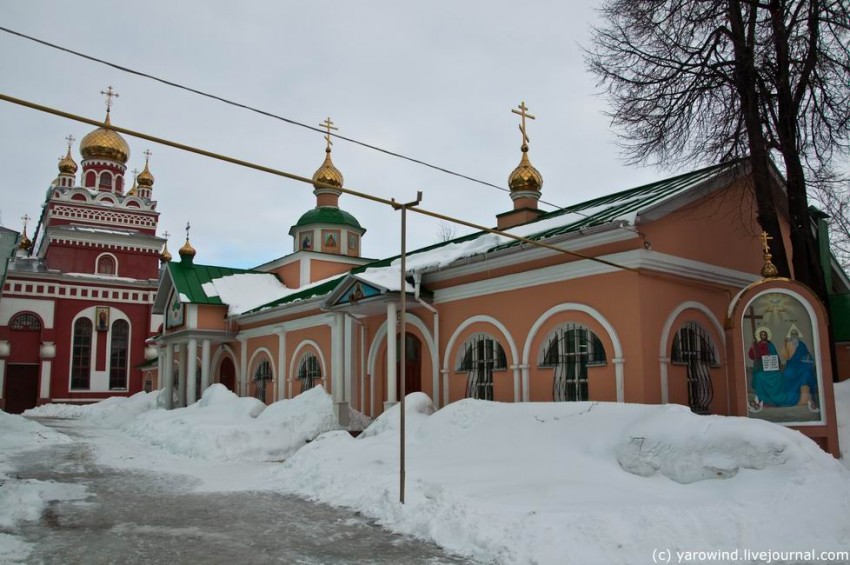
<point>417,283</point>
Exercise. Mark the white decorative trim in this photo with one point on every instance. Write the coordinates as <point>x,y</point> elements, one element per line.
<point>601,320</point>
<point>416,322</point>
<point>10,307</point>
<point>252,369</point>
<point>296,358</point>
<point>637,259</point>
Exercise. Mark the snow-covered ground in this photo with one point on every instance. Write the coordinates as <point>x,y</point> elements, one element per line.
<point>506,483</point>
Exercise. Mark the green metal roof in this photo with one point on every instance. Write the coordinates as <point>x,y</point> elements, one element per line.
<point>190,278</point>
<point>327,215</point>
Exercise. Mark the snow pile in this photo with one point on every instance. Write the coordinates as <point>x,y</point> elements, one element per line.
<point>582,482</point>
<point>842,417</point>
<point>24,499</point>
<point>225,427</point>
<point>114,411</point>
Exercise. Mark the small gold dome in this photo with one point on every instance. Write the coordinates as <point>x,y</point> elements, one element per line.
<point>525,176</point>
<point>134,190</point>
<point>327,173</point>
<point>25,243</point>
<point>105,143</point>
<point>145,178</point>
<point>67,165</point>
<point>165,256</point>
<point>187,250</point>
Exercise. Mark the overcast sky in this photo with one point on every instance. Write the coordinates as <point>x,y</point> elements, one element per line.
<point>432,80</point>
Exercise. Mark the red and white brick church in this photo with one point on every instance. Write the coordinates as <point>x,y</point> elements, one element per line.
<point>75,309</point>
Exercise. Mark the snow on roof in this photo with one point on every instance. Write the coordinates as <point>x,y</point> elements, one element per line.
<point>245,291</point>
<point>100,277</point>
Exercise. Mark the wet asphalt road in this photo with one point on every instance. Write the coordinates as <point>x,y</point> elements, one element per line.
<point>144,517</point>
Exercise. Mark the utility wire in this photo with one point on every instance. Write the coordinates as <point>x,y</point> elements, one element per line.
<point>359,194</point>
<point>258,111</point>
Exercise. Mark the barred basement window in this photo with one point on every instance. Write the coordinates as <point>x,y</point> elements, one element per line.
<point>118,355</point>
<point>25,323</point>
<point>692,347</point>
<point>570,349</point>
<point>481,355</point>
<point>309,371</point>
<point>81,354</point>
<point>262,375</point>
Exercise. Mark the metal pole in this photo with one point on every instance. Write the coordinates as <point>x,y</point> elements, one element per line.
<point>402,354</point>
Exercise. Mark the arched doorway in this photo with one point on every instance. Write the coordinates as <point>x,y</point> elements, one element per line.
<point>21,390</point>
<point>412,364</point>
<point>227,374</point>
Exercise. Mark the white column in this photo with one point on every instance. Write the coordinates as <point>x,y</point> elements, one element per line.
<point>526,391</point>
<point>280,391</point>
<point>392,394</point>
<point>44,391</point>
<point>620,379</point>
<point>445,373</point>
<point>160,369</point>
<point>338,369</point>
<point>168,377</point>
<point>181,376</point>
<point>517,376</point>
<point>5,350</point>
<point>665,391</point>
<point>191,371</point>
<point>349,358</point>
<point>205,367</point>
<point>242,377</point>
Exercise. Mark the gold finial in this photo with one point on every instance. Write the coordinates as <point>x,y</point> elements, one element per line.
<point>70,139</point>
<point>328,173</point>
<point>328,125</point>
<point>187,252</point>
<point>110,94</point>
<point>25,243</point>
<point>66,163</point>
<point>523,112</point>
<point>135,188</point>
<point>165,256</point>
<point>769,270</point>
<point>145,177</point>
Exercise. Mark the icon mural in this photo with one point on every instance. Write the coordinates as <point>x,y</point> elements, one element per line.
<point>782,376</point>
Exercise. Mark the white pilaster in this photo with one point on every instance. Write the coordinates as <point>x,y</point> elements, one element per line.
<point>168,377</point>
<point>526,392</point>
<point>181,376</point>
<point>191,371</point>
<point>338,369</point>
<point>281,367</point>
<point>663,363</point>
<point>160,369</point>
<point>242,377</point>
<point>44,389</point>
<point>205,367</point>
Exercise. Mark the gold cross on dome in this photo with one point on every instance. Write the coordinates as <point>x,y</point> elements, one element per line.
<point>135,173</point>
<point>523,112</point>
<point>764,239</point>
<point>188,227</point>
<point>165,234</point>
<point>70,139</point>
<point>110,94</point>
<point>25,218</point>
<point>147,153</point>
<point>328,125</point>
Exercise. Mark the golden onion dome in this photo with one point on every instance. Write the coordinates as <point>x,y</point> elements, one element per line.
<point>145,178</point>
<point>525,177</point>
<point>105,143</point>
<point>67,165</point>
<point>25,243</point>
<point>165,256</point>
<point>327,173</point>
<point>187,250</point>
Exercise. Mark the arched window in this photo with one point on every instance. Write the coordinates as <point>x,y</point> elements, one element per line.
<point>25,323</point>
<point>309,371</point>
<point>119,354</point>
<point>91,179</point>
<point>81,354</point>
<point>570,349</point>
<point>106,265</point>
<point>480,356</point>
<point>105,180</point>
<point>692,347</point>
<point>262,375</point>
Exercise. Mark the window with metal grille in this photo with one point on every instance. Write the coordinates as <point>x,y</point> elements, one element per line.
<point>309,371</point>
<point>692,348</point>
<point>81,354</point>
<point>479,357</point>
<point>118,354</point>
<point>570,349</point>
<point>25,323</point>
<point>262,375</point>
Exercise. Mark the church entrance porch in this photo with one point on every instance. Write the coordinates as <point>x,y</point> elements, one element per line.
<point>21,390</point>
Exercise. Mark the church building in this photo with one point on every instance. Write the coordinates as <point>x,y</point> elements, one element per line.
<point>663,293</point>
<point>75,309</point>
